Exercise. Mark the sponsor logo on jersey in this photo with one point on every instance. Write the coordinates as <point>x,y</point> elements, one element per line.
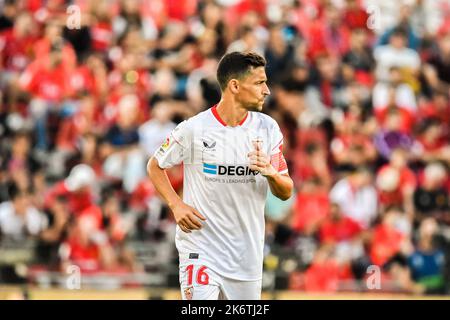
<point>209,144</point>
<point>228,170</point>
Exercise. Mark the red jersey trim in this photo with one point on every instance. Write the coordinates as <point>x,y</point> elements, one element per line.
<point>216,115</point>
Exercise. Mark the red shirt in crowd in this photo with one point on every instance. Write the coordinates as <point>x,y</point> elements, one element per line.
<point>77,201</point>
<point>407,118</point>
<point>86,256</point>
<point>340,230</point>
<point>356,18</point>
<point>343,143</point>
<point>143,192</point>
<point>45,83</point>
<point>73,128</point>
<point>407,180</point>
<point>325,40</point>
<point>42,49</point>
<point>82,79</point>
<point>386,243</point>
<point>15,53</point>
<point>432,145</point>
<point>102,35</point>
<point>322,277</point>
<point>310,209</point>
<point>430,110</point>
<point>50,6</point>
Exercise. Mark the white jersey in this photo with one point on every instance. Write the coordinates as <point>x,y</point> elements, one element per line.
<point>220,185</point>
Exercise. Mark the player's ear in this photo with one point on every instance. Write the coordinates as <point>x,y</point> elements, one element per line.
<point>233,84</point>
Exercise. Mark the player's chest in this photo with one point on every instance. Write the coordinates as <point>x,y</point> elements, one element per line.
<point>227,145</point>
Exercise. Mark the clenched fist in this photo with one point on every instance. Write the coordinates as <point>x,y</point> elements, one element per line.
<point>260,161</point>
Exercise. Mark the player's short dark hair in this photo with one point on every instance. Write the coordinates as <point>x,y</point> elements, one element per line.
<point>235,65</point>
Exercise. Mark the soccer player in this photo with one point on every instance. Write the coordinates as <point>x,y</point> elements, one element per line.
<point>232,154</point>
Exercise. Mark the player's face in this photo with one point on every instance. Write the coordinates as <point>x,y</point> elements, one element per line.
<point>253,89</point>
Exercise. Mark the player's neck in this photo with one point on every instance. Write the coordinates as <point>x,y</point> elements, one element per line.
<point>231,113</point>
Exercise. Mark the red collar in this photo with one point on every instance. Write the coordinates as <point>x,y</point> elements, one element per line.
<point>216,115</point>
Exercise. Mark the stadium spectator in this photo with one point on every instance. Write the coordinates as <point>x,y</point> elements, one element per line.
<point>88,151</point>
<point>19,220</point>
<point>325,272</point>
<point>354,16</point>
<point>345,236</point>
<point>201,85</point>
<point>130,17</point>
<point>117,228</point>
<point>85,120</point>
<point>311,207</point>
<point>279,52</point>
<point>351,146</point>
<point>46,82</point>
<point>403,23</point>
<point>357,197</point>
<point>9,11</point>
<point>436,69</point>
<point>359,56</point>
<point>77,188</point>
<point>86,245</point>
<point>125,161</point>
<point>404,95</point>
<point>16,52</point>
<point>396,54</point>
<point>329,34</point>
<point>390,238</point>
<point>431,197</point>
<point>101,29</point>
<point>431,142</point>
<point>427,263</point>
<point>337,227</point>
<point>396,183</point>
<point>153,132</point>
<point>21,164</point>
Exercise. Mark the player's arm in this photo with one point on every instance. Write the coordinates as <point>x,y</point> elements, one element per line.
<point>281,185</point>
<point>186,217</point>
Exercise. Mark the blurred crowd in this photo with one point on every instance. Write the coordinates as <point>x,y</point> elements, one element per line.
<point>360,89</point>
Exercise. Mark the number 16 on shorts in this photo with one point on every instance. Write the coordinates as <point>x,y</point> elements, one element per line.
<point>194,277</point>
<point>201,277</point>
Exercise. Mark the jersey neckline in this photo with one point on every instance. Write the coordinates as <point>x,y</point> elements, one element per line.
<point>218,118</point>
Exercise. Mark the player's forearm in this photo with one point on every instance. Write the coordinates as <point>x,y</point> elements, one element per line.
<point>281,186</point>
<point>162,184</point>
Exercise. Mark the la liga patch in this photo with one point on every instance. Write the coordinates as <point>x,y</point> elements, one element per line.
<point>165,145</point>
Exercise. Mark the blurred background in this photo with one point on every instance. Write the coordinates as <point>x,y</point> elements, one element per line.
<point>360,90</point>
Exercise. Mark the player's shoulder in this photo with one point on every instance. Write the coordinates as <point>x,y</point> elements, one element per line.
<point>199,117</point>
<point>191,122</point>
<point>200,120</point>
<point>264,120</point>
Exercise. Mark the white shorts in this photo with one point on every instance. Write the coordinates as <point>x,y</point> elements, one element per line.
<point>198,282</point>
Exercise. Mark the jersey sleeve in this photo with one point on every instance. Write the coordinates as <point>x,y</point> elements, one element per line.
<point>175,148</point>
<point>276,151</point>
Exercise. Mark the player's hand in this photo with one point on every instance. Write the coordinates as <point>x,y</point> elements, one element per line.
<point>260,161</point>
<point>187,218</point>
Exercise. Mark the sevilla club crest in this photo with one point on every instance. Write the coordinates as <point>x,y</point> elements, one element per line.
<point>188,293</point>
